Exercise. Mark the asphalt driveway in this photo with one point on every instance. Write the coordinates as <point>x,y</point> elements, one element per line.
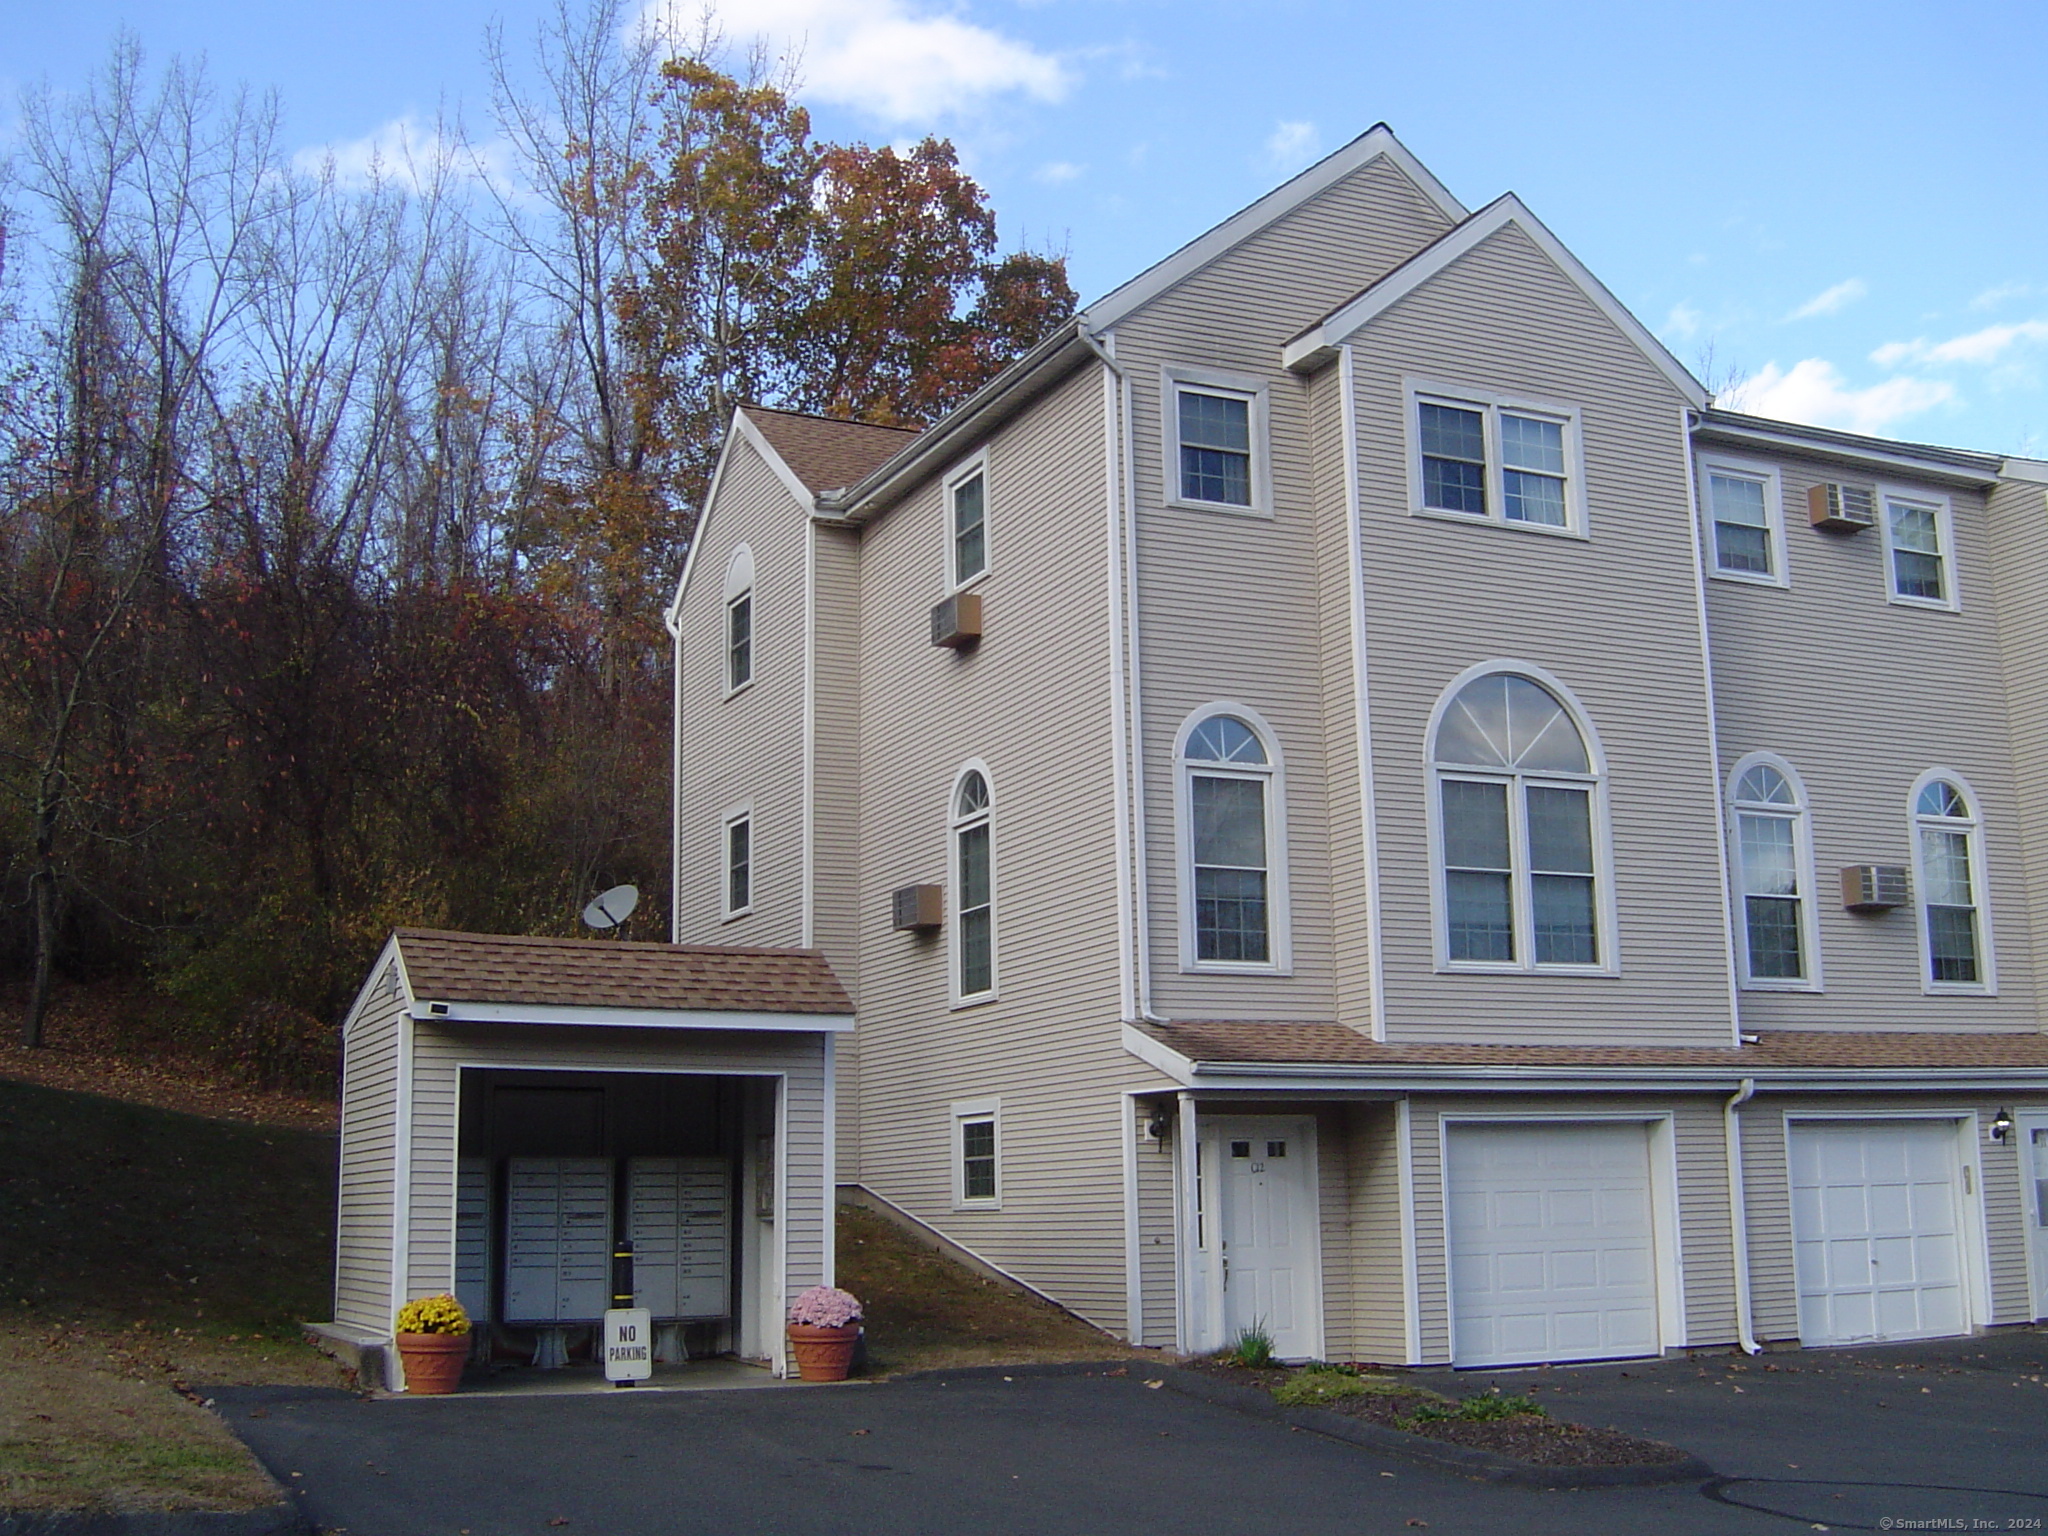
<point>1840,1440</point>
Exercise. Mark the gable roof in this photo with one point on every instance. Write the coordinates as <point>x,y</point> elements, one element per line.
<point>1377,142</point>
<point>497,968</point>
<point>1319,343</point>
<point>824,453</point>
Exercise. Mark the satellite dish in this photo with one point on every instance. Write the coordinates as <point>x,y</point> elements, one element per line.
<point>612,908</point>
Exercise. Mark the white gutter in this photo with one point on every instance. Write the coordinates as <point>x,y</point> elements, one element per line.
<point>1119,714</point>
<point>429,1012</point>
<point>1738,1214</point>
<point>1926,469</point>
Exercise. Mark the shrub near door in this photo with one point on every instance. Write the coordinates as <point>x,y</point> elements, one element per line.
<point>824,1326</point>
<point>433,1343</point>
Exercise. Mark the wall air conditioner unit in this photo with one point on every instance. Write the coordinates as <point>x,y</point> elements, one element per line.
<point>914,908</point>
<point>957,621</point>
<point>1875,887</point>
<point>1841,508</point>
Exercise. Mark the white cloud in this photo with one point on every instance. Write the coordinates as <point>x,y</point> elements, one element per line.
<point>1977,347</point>
<point>1292,143</point>
<point>892,59</point>
<point>411,152</point>
<point>1829,300</point>
<point>1990,298</point>
<point>1058,172</point>
<point>1683,322</point>
<point>1813,391</point>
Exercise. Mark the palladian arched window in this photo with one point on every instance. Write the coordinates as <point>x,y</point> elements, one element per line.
<point>1775,939</point>
<point>1233,871</point>
<point>1948,887</point>
<point>974,888</point>
<point>1520,830</point>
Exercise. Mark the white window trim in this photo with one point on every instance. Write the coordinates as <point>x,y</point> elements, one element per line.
<point>1279,934</point>
<point>739,583</point>
<point>1802,853</point>
<point>1607,926</point>
<point>964,1111</point>
<point>1248,387</point>
<point>967,469</point>
<point>1980,891</point>
<point>1780,574</point>
<point>955,824</point>
<point>733,816</point>
<point>1944,522</point>
<point>1417,391</point>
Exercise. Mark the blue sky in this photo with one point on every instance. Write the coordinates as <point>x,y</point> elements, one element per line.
<point>1846,202</point>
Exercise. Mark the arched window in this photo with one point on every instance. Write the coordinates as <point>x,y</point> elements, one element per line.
<point>1775,942</point>
<point>1520,829</point>
<point>974,890</point>
<point>739,620</point>
<point>1948,887</point>
<point>1233,886</point>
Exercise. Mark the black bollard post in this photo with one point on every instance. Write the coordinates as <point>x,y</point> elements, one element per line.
<point>622,1272</point>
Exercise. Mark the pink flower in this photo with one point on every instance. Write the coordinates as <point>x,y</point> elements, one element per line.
<point>825,1306</point>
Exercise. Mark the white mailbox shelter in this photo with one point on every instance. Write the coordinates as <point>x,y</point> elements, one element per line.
<point>512,1106</point>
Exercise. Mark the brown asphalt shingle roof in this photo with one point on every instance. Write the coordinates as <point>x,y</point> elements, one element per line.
<point>826,454</point>
<point>613,973</point>
<point>1312,1045</point>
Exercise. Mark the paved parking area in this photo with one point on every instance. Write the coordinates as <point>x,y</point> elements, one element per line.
<point>1840,1440</point>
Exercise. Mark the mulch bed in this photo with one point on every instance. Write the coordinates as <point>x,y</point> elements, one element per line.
<point>1537,1439</point>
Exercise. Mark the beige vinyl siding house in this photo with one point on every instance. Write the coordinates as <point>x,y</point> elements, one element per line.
<point>1257,525</point>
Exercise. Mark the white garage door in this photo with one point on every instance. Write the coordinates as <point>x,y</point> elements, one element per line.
<point>1553,1249</point>
<point>1875,1230</point>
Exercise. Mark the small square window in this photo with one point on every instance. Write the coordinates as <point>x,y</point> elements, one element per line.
<point>1240,1149</point>
<point>1276,1149</point>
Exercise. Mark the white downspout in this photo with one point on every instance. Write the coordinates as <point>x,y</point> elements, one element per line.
<point>1738,1214</point>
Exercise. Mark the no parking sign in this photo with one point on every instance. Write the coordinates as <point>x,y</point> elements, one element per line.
<point>628,1345</point>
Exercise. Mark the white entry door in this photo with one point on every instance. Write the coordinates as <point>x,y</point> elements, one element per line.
<point>1267,1262</point>
<point>1876,1231</point>
<point>1552,1243</point>
<point>2032,1131</point>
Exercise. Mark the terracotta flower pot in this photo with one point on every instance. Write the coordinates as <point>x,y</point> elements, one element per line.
<point>823,1354</point>
<point>433,1361</point>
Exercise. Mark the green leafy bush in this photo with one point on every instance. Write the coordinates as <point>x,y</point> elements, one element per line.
<point>1484,1406</point>
<point>1253,1347</point>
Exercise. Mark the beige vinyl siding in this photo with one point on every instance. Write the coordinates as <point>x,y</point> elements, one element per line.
<point>1336,1208</point>
<point>2016,527</point>
<point>369,1160</point>
<point>1613,616</point>
<point>440,1052</point>
<point>749,747</point>
<point>1228,602</point>
<point>1997,1211</point>
<point>1379,1328</point>
<point>1031,702</point>
<point>1862,696</point>
<point>835,795</point>
<point>1705,1246</point>
<point>1158,1262</point>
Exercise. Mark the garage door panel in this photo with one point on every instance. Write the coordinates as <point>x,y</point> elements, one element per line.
<point>1877,1242</point>
<point>1552,1252</point>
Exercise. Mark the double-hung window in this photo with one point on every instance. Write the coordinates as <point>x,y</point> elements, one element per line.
<point>1520,832</point>
<point>1507,461</point>
<point>1233,889</point>
<point>967,503</point>
<point>739,620</point>
<point>1775,940</point>
<point>1746,523</point>
<point>1948,888</point>
<point>977,1153</point>
<point>974,896</point>
<point>1215,440</point>
<point>739,864</point>
<point>1916,544</point>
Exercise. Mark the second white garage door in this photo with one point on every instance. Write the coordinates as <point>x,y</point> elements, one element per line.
<point>1878,1248</point>
<point>1553,1249</point>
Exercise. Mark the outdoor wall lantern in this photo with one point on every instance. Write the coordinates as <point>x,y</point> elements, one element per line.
<point>2001,1125</point>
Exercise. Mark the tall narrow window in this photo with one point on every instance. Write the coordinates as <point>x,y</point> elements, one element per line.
<point>1228,787</point>
<point>968,494</point>
<point>1520,826</point>
<point>739,865</point>
<point>977,1152</point>
<point>974,919</point>
<point>1948,886</point>
<point>1774,875</point>
<point>1916,540</point>
<point>739,620</point>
